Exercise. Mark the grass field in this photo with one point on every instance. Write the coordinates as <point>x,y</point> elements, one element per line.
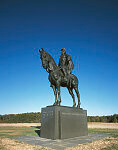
<point>7,132</point>
<point>18,131</point>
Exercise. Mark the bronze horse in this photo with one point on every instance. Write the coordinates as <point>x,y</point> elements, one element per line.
<point>56,78</point>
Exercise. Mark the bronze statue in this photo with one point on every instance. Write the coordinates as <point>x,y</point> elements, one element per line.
<point>61,75</point>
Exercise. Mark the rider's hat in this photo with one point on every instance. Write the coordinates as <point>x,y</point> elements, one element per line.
<point>63,49</point>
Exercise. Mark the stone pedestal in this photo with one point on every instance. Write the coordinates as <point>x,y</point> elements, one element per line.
<point>61,122</point>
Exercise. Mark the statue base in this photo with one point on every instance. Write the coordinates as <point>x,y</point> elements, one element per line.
<point>61,122</point>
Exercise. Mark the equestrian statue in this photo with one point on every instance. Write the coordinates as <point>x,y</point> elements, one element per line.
<point>61,75</point>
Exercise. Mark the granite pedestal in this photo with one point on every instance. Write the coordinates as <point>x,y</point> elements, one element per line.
<point>61,122</point>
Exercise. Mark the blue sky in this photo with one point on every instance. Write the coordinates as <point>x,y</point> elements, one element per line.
<point>89,32</point>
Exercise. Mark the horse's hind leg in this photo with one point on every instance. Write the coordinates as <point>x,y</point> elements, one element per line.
<point>55,93</point>
<point>78,96</point>
<point>71,93</point>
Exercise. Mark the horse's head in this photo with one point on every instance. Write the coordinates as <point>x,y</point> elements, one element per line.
<point>44,58</point>
<point>48,62</point>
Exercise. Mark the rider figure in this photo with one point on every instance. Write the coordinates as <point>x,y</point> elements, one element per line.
<point>66,65</point>
<point>70,64</point>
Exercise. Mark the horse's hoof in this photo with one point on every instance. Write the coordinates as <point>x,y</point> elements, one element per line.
<point>78,106</point>
<point>59,102</point>
<point>74,105</point>
<point>56,103</point>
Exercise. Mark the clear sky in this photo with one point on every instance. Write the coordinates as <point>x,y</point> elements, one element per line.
<point>88,29</point>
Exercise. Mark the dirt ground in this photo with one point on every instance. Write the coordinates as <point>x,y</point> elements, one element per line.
<point>90,125</point>
<point>20,124</point>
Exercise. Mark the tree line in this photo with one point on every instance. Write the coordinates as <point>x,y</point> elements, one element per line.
<point>21,118</point>
<point>36,118</point>
<point>106,119</point>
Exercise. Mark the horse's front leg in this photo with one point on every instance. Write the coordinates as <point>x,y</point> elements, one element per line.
<point>55,93</point>
<point>59,96</point>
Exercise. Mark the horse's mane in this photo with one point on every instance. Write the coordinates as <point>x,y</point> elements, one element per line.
<point>51,58</point>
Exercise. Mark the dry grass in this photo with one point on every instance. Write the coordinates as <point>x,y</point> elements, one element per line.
<point>96,145</point>
<point>9,132</point>
<point>9,144</point>
<point>20,124</point>
<point>90,125</point>
<point>102,125</point>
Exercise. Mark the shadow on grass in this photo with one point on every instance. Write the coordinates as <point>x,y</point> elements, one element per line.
<point>38,131</point>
